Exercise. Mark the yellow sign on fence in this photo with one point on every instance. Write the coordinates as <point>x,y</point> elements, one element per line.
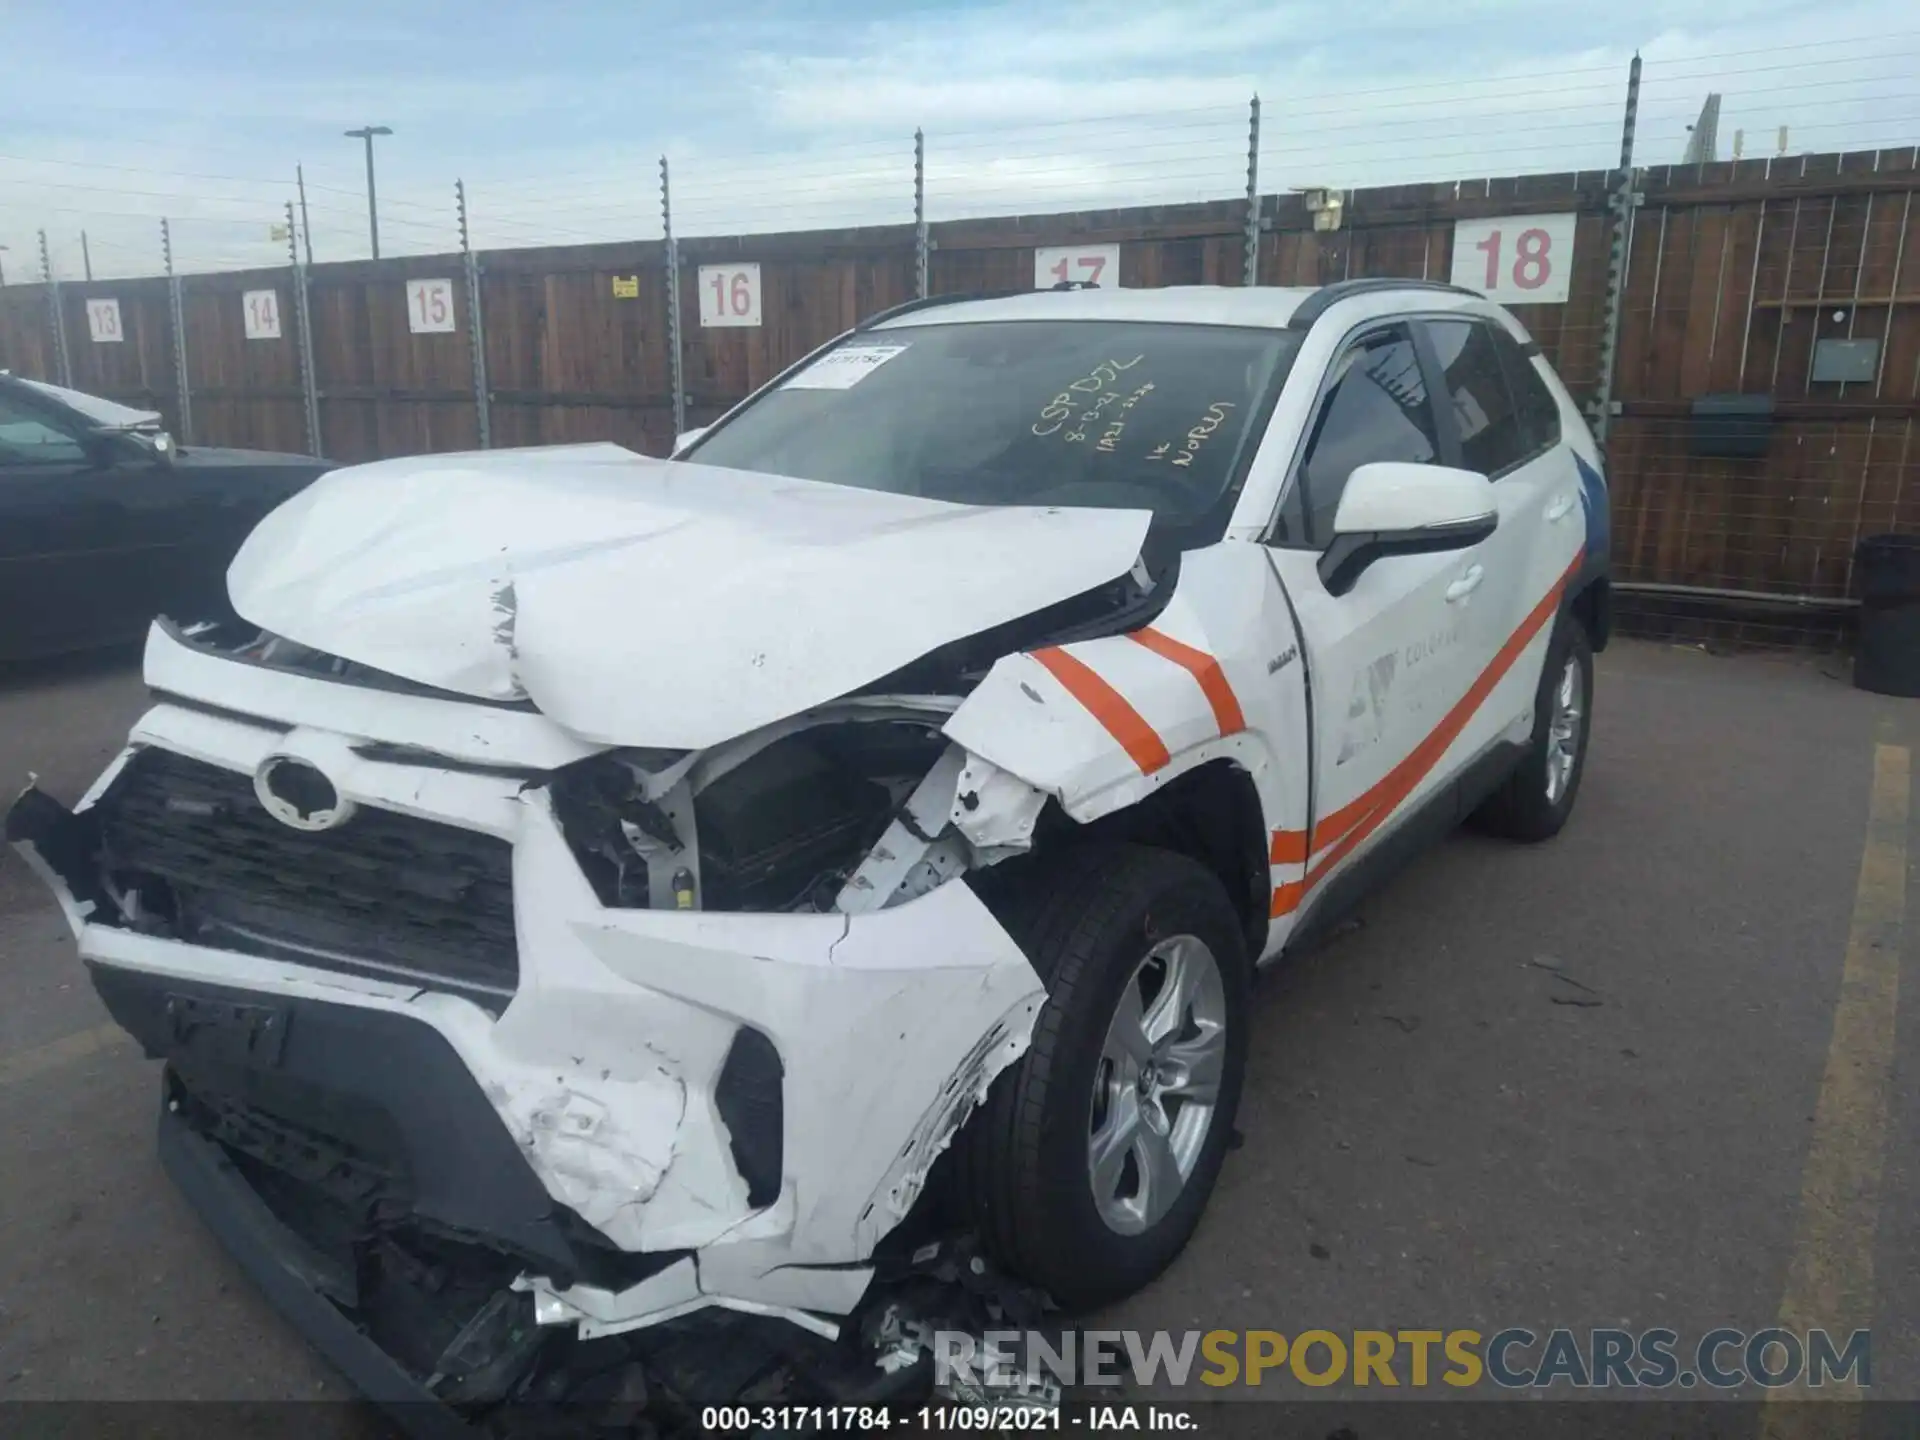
<point>626,287</point>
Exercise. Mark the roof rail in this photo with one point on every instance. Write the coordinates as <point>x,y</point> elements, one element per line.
<point>1316,304</point>
<point>924,302</point>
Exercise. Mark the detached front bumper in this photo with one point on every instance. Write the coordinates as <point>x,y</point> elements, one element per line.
<point>669,1111</point>
<point>278,1261</point>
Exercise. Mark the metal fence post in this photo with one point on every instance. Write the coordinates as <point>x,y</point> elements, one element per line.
<point>673,305</point>
<point>56,315</point>
<point>177,322</point>
<point>306,230</point>
<point>477,336</point>
<point>1250,259</point>
<point>919,214</point>
<point>309,386</point>
<point>1623,203</point>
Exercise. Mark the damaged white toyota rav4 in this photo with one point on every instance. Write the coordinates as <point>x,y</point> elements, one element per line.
<point>689,928</point>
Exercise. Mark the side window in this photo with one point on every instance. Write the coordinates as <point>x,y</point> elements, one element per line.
<point>1377,410</point>
<point>26,439</point>
<point>1539,411</point>
<point>1492,438</point>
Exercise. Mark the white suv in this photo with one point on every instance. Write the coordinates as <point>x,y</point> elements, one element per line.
<point>597,889</point>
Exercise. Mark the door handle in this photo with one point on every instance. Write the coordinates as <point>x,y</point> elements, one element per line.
<point>1559,508</point>
<point>1466,584</point>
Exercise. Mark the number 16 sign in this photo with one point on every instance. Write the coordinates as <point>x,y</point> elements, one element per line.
<point>1515,259</point>
<point>730,294</point>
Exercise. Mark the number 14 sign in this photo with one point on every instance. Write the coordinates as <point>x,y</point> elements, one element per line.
<point>1515,259</point>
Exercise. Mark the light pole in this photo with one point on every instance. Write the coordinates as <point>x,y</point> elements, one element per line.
<point>366,133</point>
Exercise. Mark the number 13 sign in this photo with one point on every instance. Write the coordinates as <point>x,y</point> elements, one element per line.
<point>1515,259</point>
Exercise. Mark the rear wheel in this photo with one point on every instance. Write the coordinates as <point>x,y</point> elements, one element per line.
<point>1538,797</point>
<point>1089,1165</point>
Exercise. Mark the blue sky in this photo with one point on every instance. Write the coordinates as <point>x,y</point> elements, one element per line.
<point>112,114</point>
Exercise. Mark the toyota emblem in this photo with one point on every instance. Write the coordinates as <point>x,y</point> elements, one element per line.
<point>299,794</point>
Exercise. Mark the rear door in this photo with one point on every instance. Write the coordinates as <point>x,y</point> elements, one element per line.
<point>1504,433</point>
<point>1391,659</point>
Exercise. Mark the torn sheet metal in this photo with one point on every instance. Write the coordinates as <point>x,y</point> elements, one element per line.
<point>915,853</point>
<point>906,992</point>
<point>603,1067</point>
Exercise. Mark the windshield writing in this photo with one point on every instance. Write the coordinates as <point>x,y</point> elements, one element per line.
<point>1107,414</point>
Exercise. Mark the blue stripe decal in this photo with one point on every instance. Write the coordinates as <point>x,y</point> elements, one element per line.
<point>1593,500</point>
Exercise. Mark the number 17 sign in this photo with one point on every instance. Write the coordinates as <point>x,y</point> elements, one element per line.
<point>1515,259</point>
<point>1082,264</point>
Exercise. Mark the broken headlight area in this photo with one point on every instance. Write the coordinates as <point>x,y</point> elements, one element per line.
<point>772,824</point>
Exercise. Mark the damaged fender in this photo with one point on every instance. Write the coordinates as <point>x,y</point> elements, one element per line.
<point>1100,724</point>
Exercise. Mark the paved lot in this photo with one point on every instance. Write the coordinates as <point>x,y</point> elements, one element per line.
<point>1433,1136</point>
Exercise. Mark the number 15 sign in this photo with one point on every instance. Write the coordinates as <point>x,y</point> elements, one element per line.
<point>1515,259</point>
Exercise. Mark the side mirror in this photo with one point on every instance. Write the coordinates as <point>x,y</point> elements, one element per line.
<point>687,437</point>
<point>109,443</point>
<point>1393,508</point>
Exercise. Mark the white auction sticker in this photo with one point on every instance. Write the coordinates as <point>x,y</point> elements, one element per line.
<point>844,368</point>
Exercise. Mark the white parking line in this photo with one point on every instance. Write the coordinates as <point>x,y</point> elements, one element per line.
<point>1830,1274</point>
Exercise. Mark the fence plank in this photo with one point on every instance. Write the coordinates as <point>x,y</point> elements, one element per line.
<point>1736,270</point>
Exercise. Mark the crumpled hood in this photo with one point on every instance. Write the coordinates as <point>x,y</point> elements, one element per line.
<point>648,602</point>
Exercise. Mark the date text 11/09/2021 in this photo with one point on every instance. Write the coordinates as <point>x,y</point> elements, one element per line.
<point>811,1419</point>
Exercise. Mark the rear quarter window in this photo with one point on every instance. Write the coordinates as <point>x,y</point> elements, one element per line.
<point>1539,410</point>
<point>1494,436</point>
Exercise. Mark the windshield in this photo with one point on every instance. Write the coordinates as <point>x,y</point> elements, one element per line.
<point>1103,414</point>
<point>100,412</point>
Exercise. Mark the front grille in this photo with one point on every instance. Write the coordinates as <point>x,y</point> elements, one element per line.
<point>384,894</point>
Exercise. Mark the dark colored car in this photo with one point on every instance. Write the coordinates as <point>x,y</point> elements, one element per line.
<point>105,522</point>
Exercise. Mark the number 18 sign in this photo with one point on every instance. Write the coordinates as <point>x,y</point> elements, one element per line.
<point>1515,259</point>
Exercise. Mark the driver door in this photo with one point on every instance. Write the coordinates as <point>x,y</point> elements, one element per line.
<point>79,537</point>
<point>1393,658</point>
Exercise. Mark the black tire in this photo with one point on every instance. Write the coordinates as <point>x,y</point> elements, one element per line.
<point>1021,1163</point>
<point>1521,808</point>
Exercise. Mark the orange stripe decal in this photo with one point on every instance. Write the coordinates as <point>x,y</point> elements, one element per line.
<point>1361,818</point>
<point>1289,848</point>
<point>1286,898</point>
<point>1107,705</point>
<point>1330,828</point>
<point>1204,668</point>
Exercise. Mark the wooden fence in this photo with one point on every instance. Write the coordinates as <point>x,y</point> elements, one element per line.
<point>1735,272</point>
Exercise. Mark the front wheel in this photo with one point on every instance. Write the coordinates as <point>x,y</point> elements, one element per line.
<point>1538,797</point>
<point>1089,1165</point>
